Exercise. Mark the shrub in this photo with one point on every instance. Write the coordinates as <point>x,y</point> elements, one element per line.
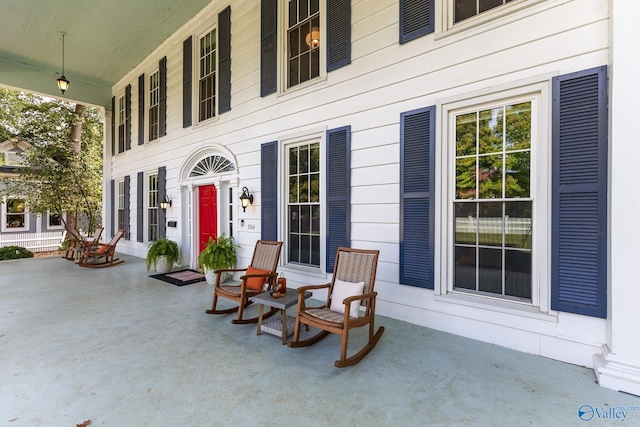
<point>14,252</point>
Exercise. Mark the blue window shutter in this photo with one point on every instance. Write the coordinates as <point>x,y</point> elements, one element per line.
<point>162,190</point>
<point>141,109</point>
<point>338,34</point>
<point>269,191</point>
<point>338,192</point>
<point>113,125</point>
<point>224,60</point>
<point>127,206</point>
<point>417,186</point>
<point>162,107</point>
<point>140,208</point>
<point>112,196</point>
<point>416,19</point>
<point>187,72</point>
<point>579,198</point>
<point>127,117</point>
<point>268,45</point>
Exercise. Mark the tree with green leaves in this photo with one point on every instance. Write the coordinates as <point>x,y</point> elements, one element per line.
<point>63,168</point>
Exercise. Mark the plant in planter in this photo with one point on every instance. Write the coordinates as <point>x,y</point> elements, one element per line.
<point>163,254</point>
<point>218,255</point>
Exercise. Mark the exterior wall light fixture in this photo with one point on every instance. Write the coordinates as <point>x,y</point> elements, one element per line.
<point>165,203</point>
<point>245,198</point>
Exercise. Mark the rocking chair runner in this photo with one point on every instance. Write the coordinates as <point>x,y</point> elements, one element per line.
<point>353,268</point>
<point>102,255</point>
<point>265,257</point>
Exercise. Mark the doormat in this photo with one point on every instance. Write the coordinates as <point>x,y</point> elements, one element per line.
<point>181,278</point>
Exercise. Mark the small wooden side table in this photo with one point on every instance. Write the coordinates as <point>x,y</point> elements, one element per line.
<point>289,299</point>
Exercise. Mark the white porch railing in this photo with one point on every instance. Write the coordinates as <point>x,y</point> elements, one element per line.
<point>35,242</point>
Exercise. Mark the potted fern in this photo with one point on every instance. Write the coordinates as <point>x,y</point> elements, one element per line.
<point>219,254</point>
<point>163,254</point>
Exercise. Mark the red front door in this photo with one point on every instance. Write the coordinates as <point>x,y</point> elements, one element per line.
<point>208,203</point>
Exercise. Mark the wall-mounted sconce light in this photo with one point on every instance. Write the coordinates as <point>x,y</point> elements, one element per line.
<point>63,83</point>
<point>165,203</point>
<point>245,198</point>
<point>313,38</point>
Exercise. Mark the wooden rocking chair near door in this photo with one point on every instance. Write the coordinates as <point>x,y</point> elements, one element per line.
<point>262,270</point>
<point>101,255</point>
<point>354,275</point>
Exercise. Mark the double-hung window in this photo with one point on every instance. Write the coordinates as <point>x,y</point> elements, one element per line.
<point>207,60</point>
<point>303,41</point>
<point>303,207</point>
<point>465,9</point>
<point>121,125</point>
<point>54,221</point>
<point>16,218</point>
<point>152,208</point>
<point>493,200</point>
<point>154,106</point>
<point>121,205</point>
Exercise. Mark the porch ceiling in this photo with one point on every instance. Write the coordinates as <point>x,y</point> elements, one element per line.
<point>104,40</point>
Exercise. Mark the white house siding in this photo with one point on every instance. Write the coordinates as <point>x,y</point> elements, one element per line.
<point>534,42</point>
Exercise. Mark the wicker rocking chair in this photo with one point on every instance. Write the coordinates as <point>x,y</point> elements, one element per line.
<point>354,275</point>
<point>265,259</point>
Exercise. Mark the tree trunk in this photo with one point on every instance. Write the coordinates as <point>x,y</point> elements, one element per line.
<point>76,129</point>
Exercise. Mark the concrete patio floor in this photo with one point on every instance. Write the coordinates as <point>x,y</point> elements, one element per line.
<point>119,348</point>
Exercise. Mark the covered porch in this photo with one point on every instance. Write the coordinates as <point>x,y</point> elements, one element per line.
<point>117,347</point>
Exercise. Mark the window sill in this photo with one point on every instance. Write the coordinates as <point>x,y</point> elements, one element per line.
<point>304,88</point>
<point>303,270</point>
<point>495,305</point>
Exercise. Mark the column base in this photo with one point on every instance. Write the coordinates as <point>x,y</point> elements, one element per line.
<point>616,372</point>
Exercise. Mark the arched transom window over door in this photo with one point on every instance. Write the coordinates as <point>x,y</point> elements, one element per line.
<point>212,165</point>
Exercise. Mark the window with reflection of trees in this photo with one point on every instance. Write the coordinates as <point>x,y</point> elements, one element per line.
<point>303,41</point>
<point>465,9</point>
<point>303,208</point>
<point>493,203</point>
<point>16,213</point>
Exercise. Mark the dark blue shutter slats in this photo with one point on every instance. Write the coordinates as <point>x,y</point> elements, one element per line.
<point>127,117</point>
<point>162,191</point>
<point>140,208</point>
<point>187,89</point>
<point>269,191</point>
<point>338,192</point>
<point>224,60</point>
<point>162,113</point>
<point>268,45</point>
<point>113,125</point>
<point>112,197</point>
<point>338,34</point>
<point>417,186</point>
<point>141,109</point>
<point>416,19</point>
<point>579,198</point>
<point>127,206</point>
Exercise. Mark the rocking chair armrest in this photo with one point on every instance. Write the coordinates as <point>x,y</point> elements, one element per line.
<point>303,289</point>
<point>350,299</point>
<point>230,270</point>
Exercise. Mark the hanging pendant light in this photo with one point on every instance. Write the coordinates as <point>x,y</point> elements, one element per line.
<point>63,83</point>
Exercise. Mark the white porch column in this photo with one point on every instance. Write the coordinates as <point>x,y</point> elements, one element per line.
<point>618,367</point>
<point>106,168</point>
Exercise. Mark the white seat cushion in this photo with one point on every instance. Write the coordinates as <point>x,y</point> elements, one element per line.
<point>342,290</point>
